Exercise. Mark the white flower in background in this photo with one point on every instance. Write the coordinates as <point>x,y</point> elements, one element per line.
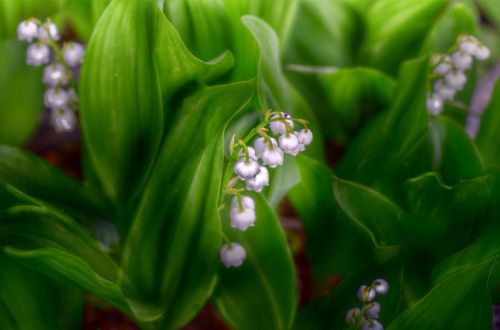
<point>461,60</point>
<point>259,181</point>
<point>278,127</point>
<point>55,98</point>
<point>305,136</point>
<point>288,142</point>
<point>482,52</point>
<point>251,153</point>
<point>444,91</point>
<point>27,30</point>
<point>444,67</point>
<point>232,254</point>
<point>371,325</point>
<point>434,104</point>
<point>366,294</point>
<point>55,74</point>
<point>455,79</point>
<point>372,310</point>
<point>468,44</point>
<point>352,315</point>
<point>380,286</point>
<point>63,119</point>
<point>38,54</point>
<point>72,53</point>
<point>246,169</point>
<point>45,29</point>
<point>272,157</point>
<point>246,202</point>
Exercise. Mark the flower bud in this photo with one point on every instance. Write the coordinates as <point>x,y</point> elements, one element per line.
<point>278,127</point>
<point>372,310</point>
<point>54,74</point>
<point>55,98</point>
<point>371,325</point>
<point>288,142</point>
<point>434,104</point>
<point>38,54</point>
<point>352,315</point>
<point>27,30</point>
<point>242,219</point>
<point>246,169</point>
<point>272,156</point>
<point>232,254</point>
<point>63,119</point>
<point>380,286</point>
<point>444,91</point>
<point>260,143</point>
<point>468,44</point>
<point>456,79</point>
<point>72,53</point>
<point>366,294</point>
<point>247,202</point>
<point>482,52</point>
<point>43,34</point>
<point>461,60</point>
<point>259,181</point>
<point>444,67</point>
<point>305,136</point>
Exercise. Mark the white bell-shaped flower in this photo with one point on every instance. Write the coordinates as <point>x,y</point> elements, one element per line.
<point>434,104</point>
<point>232,254</point>
<point>251,153</point>
<point>27,30</point>
<point>246,169</point>
<point>372,310</point>
<point>247,202</point>
<point>461,60</point>
<point>55,98</point>
<point>482,52</point>
<point>63,119</point>
<point>444,67</point>
<point>366,294</point>
<point>444,91</point>
<point>272,156</point>
<point>260,143</point>
<point>371,324</point>
<point>45,29</point>
<point>352,315</point>
<point>73,53</point>
<point>242,219</point>
<point>37,54</point>
<point>288,142</point>
<point>380,286</point>
<point>278,127</point>
<point>55,74</point>
<point>259,182</point>
<point>305,136</point>
<point>456,79</point>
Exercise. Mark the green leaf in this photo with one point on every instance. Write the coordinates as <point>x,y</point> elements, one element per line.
<point>37,178</point>
<point>262,292</point>
<point>445,217</point>
<point>30,300</point>
<point>21,92</point>
<point>177,264</point>
<point>121,111</point>
<point>354,95</point>
<point>365,226</point>
<point>488,132</point>
<point>396,30</point>
<point>460,300</point>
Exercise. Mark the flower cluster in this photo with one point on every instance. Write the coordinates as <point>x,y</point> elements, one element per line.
<point>366,317</point>
<point>250,168</point>
<point>448,75</point>
<point>60,96</point>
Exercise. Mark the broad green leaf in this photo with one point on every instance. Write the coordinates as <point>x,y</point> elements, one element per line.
<point>445,217</point>
<point>30,300</point>
<point>365,226</point>
<point>171,253</point>
<point>458,19</point>
<point>354,95</point>
<point>120,100</point>
<point>37,178</point>
<point>460,300</point>
<point>21,92</point>
<point>262,292</point>
<point>396,30</point>
<point>488,132</point>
